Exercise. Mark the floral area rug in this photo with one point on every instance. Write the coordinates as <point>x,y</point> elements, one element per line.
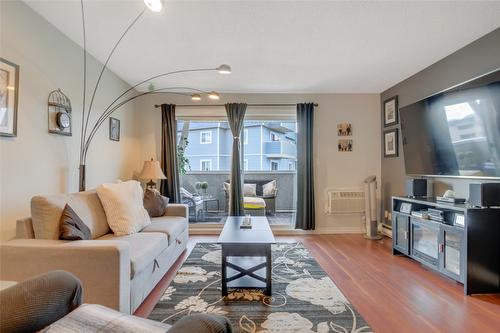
<point>305,299</point>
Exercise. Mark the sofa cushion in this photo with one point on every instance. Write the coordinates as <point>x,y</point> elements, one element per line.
<point>253,203</point>
<point>46,210</point>
<point>144,248</point>
<point>171,226</point>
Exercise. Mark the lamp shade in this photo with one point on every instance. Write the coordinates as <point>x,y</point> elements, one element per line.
<point>151,170</point>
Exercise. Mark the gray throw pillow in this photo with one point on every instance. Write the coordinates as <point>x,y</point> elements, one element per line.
<point>71,226</point>
<point>154,203</point>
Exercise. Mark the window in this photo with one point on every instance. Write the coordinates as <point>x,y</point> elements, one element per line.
<point>245,164</point>
<point>275,136</point>
<point>205,137</point>
<point>206,165</point>
<point>245,136</point>
<point>274,166</point>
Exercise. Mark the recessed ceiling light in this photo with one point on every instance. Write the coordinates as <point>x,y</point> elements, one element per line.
<point>196,97</point>
<point>154,5</point>
<point>214,95</point>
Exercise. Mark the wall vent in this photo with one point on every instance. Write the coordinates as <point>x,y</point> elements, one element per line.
<point>345,201</point>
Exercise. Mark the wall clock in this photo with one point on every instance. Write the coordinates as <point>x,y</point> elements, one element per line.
<point>59,113</point>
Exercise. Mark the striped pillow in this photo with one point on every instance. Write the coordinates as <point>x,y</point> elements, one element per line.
<point>124,207</point>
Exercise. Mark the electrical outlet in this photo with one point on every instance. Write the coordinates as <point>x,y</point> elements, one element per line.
<point>386,213</point>
<point>389,216</point>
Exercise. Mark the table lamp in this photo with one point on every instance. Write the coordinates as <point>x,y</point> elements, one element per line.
<point>152,171</point>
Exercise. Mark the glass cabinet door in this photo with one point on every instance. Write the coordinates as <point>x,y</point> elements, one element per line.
<point>401,226</point>
<point>451,252</point>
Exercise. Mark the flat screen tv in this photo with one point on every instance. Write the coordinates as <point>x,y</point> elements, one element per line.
<point>455,133</point>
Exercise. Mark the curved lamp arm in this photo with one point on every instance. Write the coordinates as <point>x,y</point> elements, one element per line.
<point>105,66</point>
<point>109,111</point>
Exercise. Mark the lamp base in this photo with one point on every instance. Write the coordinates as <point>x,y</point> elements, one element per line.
<point>151,184</point>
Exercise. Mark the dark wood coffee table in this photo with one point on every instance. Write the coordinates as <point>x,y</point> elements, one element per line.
<point>245,254</point>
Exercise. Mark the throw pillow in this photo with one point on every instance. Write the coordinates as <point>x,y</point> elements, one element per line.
<point>154,203</point>
<point>71,226</point>
<point>250,190</point>
<point>269,189</point>
<point>124,207</point>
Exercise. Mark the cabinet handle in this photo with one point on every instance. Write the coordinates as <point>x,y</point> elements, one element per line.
<point>406,234</point>
<point>441,247</point>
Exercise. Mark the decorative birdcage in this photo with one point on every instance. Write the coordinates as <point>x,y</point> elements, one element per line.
<point>59,113</point>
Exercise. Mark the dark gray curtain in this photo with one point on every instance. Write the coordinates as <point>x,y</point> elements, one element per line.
<point>305,218</point>
<point>235,117</point>
<point>170,186</point>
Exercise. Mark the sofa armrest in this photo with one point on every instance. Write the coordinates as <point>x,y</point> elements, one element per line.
<point>24,228</point>
<point>177,210</point>
<point>103,266</point>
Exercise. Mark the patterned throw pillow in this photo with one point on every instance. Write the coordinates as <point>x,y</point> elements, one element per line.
<point>71,226</point>
<point>269,189</point>
<point>154,203</point>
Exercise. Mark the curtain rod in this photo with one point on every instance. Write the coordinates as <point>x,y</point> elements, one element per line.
<point>222,105</point>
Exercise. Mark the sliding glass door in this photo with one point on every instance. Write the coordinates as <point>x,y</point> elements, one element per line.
<point>269,161</point>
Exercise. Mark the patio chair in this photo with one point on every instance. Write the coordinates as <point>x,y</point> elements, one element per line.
<point>194,202</point>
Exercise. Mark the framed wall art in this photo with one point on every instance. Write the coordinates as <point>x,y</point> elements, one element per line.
<point>391,111</point>
<point>344,145</point>
<point>114,129</point>
<point>391,143</point>
<point>344,129</point>
<point>9,91</point>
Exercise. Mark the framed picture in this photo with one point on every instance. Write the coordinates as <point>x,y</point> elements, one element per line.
<point>9,91</point>
<point>344,145</point>
<point>114,129</point>
<point>344,129</point>
<point>391,148</point>
<point>391,111</point>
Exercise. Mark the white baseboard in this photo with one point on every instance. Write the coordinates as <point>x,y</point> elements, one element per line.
<point>285,232</point>
<point>340,230</point>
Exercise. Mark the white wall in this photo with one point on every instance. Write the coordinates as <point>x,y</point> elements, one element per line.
<point>332,169</point>
<point>36,162</point>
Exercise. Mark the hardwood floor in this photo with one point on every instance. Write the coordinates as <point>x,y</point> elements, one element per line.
<point>393,294</point>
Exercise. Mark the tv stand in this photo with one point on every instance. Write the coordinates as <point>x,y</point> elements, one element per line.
<point>464,246</point>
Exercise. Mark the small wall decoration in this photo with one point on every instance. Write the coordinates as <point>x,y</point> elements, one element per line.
<point>391,111</point>
<point>114,129</point>
<point>391,143</point>
<point>345,145</point>
<point>344,129</point>
<point>59,113</point>
<point>9,91</point>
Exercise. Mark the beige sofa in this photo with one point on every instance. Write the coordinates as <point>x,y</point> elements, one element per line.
<point>118,272</point>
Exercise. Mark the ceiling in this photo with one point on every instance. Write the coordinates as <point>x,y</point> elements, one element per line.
<point>276,46</point>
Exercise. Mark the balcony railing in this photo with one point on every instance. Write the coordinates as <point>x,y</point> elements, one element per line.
<point>280,149</point>
<point>286,180</point>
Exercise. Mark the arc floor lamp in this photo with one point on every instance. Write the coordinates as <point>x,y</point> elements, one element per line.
<point>89,129</point>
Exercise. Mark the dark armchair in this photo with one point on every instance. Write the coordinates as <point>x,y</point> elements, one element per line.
<point>52,302</point>
<point>269,197</point>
